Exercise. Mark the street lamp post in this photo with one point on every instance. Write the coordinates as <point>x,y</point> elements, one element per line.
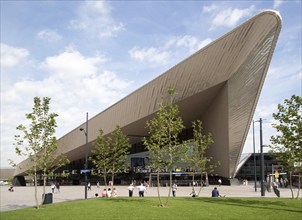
<point>262,161</point>
<point>86,153</point>
<point>261,158</point>
<point>255,172</point>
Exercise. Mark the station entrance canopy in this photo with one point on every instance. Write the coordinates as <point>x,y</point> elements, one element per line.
<point>220,84</point>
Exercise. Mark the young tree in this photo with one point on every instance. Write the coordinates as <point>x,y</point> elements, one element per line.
<point>110,155</point>
<point>101,158</point>
<point>39,142</point>
<point>163,144</point>
<point>287,144</point>
<point>195,156</point>
<point>119,144</point>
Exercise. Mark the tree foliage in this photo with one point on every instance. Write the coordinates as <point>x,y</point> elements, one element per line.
<point>110,153</point>
<point>101,157</point>
<point>195,156</point>
<point>287,143</point>
<point>39,142</point>
<point>163,144</point>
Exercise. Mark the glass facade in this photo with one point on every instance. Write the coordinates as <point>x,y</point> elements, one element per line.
<point>247,171</point>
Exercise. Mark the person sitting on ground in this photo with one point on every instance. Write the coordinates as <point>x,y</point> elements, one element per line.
<point>109,193</point>
<point>193,193</point>
<point>215,192</point>
<point>114,193</point>
<point>11,188</point>
<point>104,193</point>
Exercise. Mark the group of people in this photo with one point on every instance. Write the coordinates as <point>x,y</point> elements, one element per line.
<point>282,182</point>
<point>245,182</point>
<point>215,193</point>
<point>108,193</point>
<point>113,193</point>
<point>142,188</point>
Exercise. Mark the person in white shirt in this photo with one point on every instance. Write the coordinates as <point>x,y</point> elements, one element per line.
<point>174,188</point>
<point>109,192</point>
<point>219,182</point>
<point>130,189</point>
<point>141,190</point>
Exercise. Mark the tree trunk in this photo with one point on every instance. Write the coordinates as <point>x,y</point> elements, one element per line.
<point>170,187</point>
<point>291,183</point>
<point>44,184</point>
<point>105,180</point>
<point>299,183</point>
<point>207,179</point>
<point>193,181</point>
<point>158,194</point>
<point>112,181</point>
<point>201,186</point>
<point>36,190</point>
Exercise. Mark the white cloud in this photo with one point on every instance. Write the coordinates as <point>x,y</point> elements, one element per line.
<point>297,77</point>
<point>227,17</point>
<point>95,17</point>
<point>110,31</point>
<point>49,35</point>
<point>190,42</point>
<point>277,3</point>
<point>72,63</point>
<point>175,47</point>
<point>12,56</point>
<point>75,83</point>
<point>151,55</point>
<point>265,111</point>
<point>210,8</point>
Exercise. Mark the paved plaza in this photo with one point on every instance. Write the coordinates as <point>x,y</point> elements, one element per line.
<point>23,197</point>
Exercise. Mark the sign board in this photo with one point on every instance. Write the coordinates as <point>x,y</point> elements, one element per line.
<point>85,171</point>
<point>297,164</point>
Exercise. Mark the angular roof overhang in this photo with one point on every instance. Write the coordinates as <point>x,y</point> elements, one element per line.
<point>219,84</point>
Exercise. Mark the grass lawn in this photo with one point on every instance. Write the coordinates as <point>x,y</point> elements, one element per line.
<point>178,208</point>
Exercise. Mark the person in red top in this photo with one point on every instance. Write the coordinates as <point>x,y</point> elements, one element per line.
<point>104,193</point>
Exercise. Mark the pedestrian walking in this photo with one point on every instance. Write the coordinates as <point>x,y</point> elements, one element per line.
<point>130,189</point>
<point>219,182</point>
<point>141,190</point>
<point>174,189</point>
<point>58,187</point>
<point>53,186</point>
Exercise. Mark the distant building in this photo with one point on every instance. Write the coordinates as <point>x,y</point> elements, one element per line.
<point>246,167</point>
<point>7,174</point>
<point>220,84</point>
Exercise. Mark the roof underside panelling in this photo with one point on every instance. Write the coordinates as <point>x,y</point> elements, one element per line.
<point>240,57</point>
<point>246,83</point>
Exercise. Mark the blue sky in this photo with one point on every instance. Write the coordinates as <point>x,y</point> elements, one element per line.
<point>87,55</point>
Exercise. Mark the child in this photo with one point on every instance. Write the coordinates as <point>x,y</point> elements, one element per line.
<point>104,193</point>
